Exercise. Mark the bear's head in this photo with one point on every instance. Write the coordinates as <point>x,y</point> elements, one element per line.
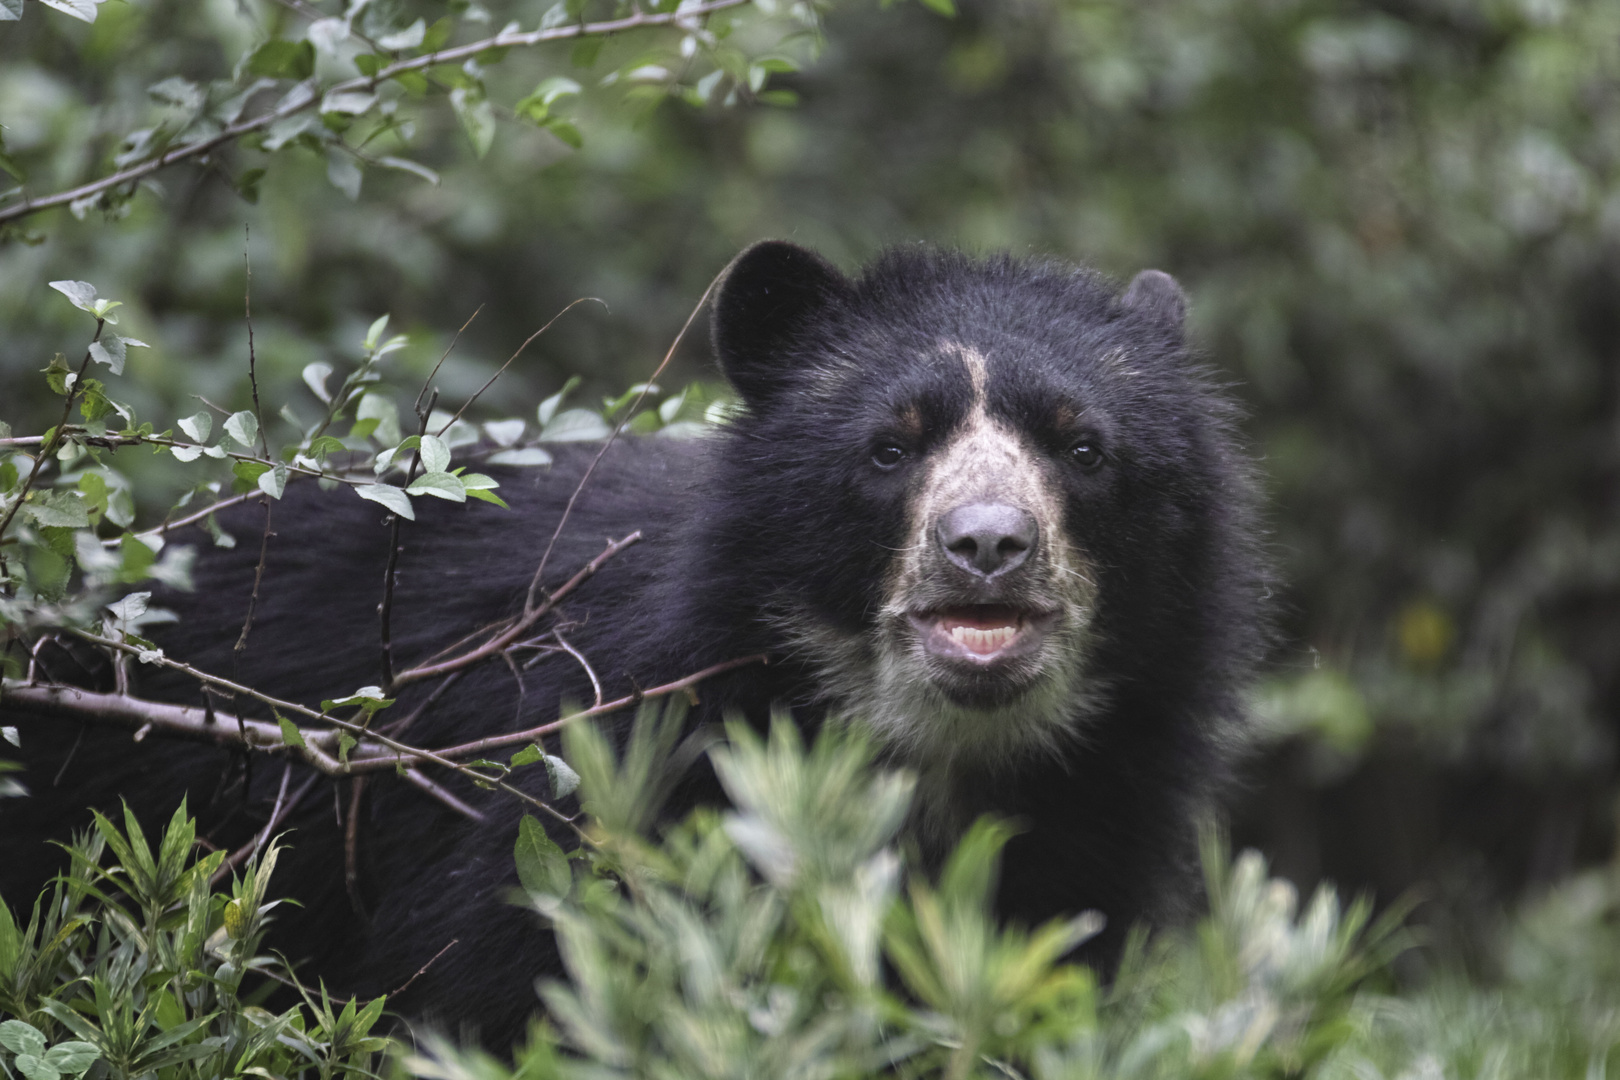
<point>979,498</point>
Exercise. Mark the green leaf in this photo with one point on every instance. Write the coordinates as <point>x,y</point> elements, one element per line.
<point>110,351</point>
<point>542,867</point>
<point>343,172</point>
<point>62,509</point>
<point>79,9</point>
<point>243,427</point>
<point>72,1057</point>
<point>197,426</point>
<point>946,8</point>
<point>476,116</point>
<point>22,1038</point>
<point>435,454</point>
<point>273,481</point>
<point>346,742</point>
<point>566,131</point>
<point>440,485</point>
<point>526,756</point>
<point>575,425</point>
<point>290,735</point>
<point>389,496</point>
<point>487,496</point>
<point>564,780</point>
<point>81,294</point>
<point>247,474</point>
<point>369,698</point>
<point>283,60</point>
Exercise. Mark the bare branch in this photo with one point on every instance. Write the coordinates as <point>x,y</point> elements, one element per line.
<point>497,644</point>
<point>434,791</point>
<point>231,132</point>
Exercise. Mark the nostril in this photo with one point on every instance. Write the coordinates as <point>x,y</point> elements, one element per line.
<point>987,538</point>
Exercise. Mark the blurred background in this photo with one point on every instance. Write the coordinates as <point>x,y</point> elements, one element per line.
<point>1398,223</point>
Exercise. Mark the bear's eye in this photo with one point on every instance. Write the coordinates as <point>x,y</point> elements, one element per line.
<point>888,455</point>
<point>1087,454</point>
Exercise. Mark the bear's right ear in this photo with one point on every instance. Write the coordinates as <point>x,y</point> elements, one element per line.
<point>769,292</point>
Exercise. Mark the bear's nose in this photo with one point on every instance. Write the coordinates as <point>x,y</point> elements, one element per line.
<point>987,538</point>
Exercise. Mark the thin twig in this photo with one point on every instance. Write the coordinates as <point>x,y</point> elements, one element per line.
<point>434,791</point>
<point>539,572</point>
<point>453,943</point>
<point>584,663</point>
<point>398,727</point>
<point>292,105</point>
<point>495,645</point>
<point>279,810</point>
<point>502,369</point>
<point>512,738</point>
<point>264,446</point>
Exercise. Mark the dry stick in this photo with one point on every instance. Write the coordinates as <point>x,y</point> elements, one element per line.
<point>291,105</point>
<point>512,738</point>
<point>506,637</point>
<point>264,446</point>
<point>539,571</point>
<point>428,787</point>
<point>56,436</point>
<point>372,752</point>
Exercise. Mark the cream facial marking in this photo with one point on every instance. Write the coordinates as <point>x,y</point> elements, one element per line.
<point>976,658</point>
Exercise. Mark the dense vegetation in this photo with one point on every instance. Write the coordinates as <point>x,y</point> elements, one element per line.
<point>1399,223</point>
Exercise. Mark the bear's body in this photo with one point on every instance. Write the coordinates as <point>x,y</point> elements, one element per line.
<point>992,509</point>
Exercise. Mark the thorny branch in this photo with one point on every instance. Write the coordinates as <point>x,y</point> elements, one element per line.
<point>295,103</point>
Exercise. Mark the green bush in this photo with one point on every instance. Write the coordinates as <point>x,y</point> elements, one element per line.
<point>794,936</point>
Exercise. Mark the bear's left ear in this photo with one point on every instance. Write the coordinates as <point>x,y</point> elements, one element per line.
<point>769,293</point>
<point>1155,295</point>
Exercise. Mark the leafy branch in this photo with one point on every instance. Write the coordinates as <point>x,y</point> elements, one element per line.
<point>304,95</point>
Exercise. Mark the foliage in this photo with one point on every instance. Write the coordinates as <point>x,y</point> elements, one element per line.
<point>791,937</point>
<point>139,968</point>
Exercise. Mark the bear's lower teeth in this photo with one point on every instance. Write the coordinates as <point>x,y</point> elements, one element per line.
<point>983,641</point>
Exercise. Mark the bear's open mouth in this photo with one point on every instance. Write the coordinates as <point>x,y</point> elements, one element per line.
<point>982,634</point>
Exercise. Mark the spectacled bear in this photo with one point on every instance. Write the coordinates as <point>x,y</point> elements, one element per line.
<point>994,509</point>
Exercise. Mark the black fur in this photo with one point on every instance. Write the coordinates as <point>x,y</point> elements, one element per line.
<point>782,512</point>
